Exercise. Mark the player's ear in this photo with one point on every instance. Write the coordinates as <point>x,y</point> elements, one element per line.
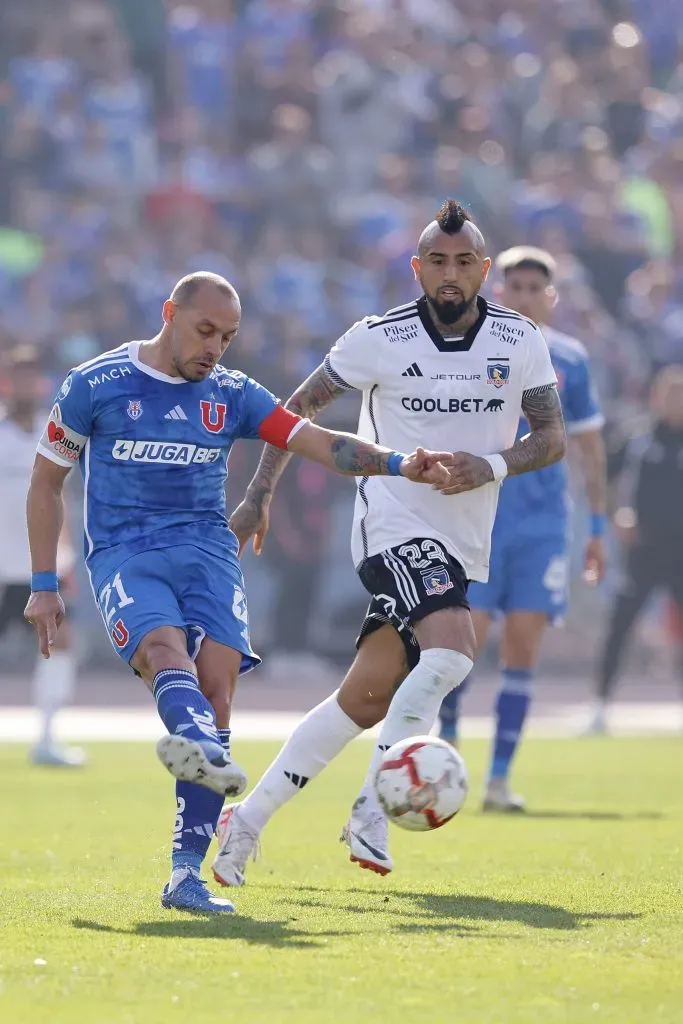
<point>415,264</point>
<point>168,311</point>
<point>553,297</point>
<point>485,267</point>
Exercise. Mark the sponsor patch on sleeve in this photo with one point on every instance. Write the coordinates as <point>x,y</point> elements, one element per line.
<point>59,442</point>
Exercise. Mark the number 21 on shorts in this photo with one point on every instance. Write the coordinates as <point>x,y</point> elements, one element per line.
<point>113,598</point>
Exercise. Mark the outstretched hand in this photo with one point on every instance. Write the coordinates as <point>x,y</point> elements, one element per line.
<point>250,520</point>
<point>45,612</point>
<point>594,561</point>
<point>425,467</point>
<point>465,472</point>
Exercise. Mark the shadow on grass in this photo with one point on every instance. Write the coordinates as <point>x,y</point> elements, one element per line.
<point>276,934</point>
<point>589,815</point>
<point>260,933</point>
<point>452,910</point>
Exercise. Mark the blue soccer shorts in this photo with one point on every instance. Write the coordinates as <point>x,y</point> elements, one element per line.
<point>526,574</point>
<point>179,586</point>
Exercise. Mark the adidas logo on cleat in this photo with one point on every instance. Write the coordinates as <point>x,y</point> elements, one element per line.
<point>413,371</point>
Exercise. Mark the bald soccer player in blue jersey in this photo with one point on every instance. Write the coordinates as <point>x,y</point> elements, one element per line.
<point>528,574</point>
<point>151,425</point>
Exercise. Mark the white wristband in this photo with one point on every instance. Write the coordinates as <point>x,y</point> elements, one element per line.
<point>498,465</point>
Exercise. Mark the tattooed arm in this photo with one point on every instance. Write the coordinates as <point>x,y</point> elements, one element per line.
<point>544,444</point>
<point>353,456</point>
<point>251,517</point>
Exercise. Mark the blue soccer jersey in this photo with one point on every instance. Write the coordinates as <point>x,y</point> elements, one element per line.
<point>538,502</point>
<point>153,453</point>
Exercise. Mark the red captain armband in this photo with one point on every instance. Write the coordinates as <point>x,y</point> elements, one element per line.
<point>279,426</point>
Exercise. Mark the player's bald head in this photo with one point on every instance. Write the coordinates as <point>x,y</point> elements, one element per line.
<point>452,219</point>
<point>191,289</point>
<point>201,318</point>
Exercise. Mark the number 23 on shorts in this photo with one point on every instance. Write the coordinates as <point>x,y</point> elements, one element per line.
<point>113,598</point>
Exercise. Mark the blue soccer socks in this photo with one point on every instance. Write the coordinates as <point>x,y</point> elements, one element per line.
<point>512,707</point>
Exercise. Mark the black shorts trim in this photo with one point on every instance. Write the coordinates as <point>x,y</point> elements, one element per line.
<point>407,583</point>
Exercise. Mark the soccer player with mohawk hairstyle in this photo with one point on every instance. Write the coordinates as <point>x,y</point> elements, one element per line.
<point>459,372</point>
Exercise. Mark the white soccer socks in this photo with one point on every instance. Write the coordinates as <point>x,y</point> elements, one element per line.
<point>316,741</point>
<point>53,687</point>
<point>416,703</point>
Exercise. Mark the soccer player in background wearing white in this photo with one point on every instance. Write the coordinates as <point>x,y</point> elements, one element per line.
<point>20,430</point>
<point>460,371</point>
<point>529,572</point>
<point>151,425</point>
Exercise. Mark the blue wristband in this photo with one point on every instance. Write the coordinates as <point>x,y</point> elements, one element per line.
<point>598,524</point>
<point>394,463</point>
<point>44,581</point>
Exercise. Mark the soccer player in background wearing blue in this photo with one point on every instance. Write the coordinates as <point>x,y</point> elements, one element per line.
<point>528,573</point>
<point>151,425</point>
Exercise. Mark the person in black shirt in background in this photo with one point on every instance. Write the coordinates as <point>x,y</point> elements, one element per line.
<point>649,522</point>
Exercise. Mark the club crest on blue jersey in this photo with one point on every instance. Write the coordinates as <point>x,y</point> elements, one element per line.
<point>497,374</point>
<point>134,409</point>
<point>213,414</point>
<point>437,581</point>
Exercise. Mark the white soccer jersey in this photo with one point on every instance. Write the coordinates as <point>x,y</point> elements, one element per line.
<point>459,394</point>
<point>17,453</point>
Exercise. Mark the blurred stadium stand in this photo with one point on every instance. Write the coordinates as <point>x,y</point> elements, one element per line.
<point>298,147</point>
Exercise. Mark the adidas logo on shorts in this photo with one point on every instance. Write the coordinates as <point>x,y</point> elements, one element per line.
<point>413,371</point>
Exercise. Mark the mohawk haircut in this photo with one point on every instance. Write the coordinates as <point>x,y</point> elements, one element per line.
<point>452,216</point>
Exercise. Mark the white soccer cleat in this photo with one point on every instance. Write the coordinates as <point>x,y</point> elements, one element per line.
<point>50,755</point>
<point>367,837</point>
<point>597,725</point>
<point>191,761</point>
<point>498,797</point>
<point>238,842</point>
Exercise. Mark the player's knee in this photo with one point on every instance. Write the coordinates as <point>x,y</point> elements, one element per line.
<point>366,709</point>
<point>446,669</point>
<point>158,655</point>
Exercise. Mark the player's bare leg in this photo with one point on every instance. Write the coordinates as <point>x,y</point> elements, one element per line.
<point>449,713</point>
<point>442,636</point>
<point>196,751</point>
<point>192,751</point>
<point>359,704</point>
<point>447,647</point>
<point>53,684</point>
<point>377,671</point>
<point>522,635</point>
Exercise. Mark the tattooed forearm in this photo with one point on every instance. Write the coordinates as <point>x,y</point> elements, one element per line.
<point>316,392</point>
<point>359,458</point>
<point>594,467</point>
<point>546,442</point>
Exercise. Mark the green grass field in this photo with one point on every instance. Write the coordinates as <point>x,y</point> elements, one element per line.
<point>572,913</point>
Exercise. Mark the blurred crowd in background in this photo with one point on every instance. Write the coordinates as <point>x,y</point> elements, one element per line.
<point>298,147</point>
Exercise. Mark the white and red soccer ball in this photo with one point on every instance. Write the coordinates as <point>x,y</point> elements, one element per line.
<point>421,783</point>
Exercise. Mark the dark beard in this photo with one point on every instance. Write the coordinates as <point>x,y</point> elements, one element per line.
<point>448,313</point>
